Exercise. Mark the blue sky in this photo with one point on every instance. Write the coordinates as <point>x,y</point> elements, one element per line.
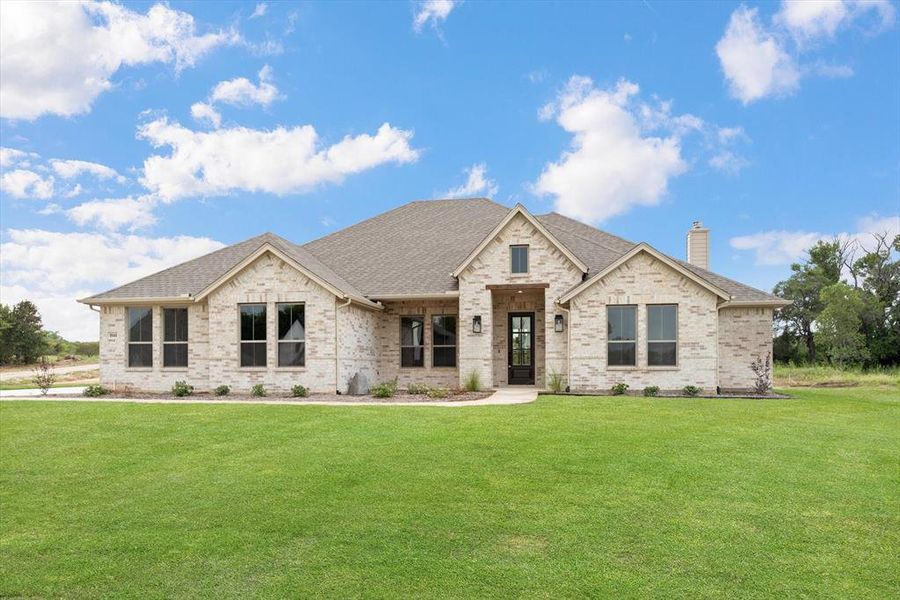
<point>774,124</point>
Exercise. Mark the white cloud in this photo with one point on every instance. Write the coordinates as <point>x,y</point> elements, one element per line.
<point>37,265</point>
<point>205,113</point>
<point>242,92</point>
<point>51,209</point>
<point>260,10</point>
<point>477,184</point>
<point>613,163</point>
<point>755,63</point>
<point>780,247</point>
<point>728,162</point>
<point>12,156</point>
<point>69,169</point>
<point>432,12</point>
<point>279,161</point>
<point>763,60</point>
<point>57,57</point>
<point>22,183</point>
<point>115,213</point>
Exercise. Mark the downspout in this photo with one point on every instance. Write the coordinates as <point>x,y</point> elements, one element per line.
<point>568,345</point>
<point>336,320</point>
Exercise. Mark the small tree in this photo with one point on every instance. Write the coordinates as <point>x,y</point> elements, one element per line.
<point>763,371</point>
<point>839,325</point>
<point>44,377</point>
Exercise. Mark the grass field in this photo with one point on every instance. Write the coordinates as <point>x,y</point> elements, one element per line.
<point>622,497</point>
<point>825,375</point>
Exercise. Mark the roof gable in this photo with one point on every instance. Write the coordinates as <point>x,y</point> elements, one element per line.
<point>518,209</point>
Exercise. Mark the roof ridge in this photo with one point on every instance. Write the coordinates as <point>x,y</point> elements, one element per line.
<point>590,241</point>
<point>603,231</point>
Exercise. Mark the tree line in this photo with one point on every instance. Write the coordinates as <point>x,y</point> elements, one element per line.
<point>845,305</point>
<point>23,339</point>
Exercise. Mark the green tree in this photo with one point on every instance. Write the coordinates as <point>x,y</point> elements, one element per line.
<point>839,325</point>
<point>6,327</point>
<point>27,335</point>
<point>879,271</point>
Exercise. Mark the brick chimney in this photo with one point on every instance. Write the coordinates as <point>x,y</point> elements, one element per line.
<point>698,245</point>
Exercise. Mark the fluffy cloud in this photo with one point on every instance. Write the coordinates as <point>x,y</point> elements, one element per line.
<point>763,60</point>
<point>206,113</point>
<point>57,57</point>
<point>11,156</point>
<point>260,10</point>
<point>22,183</point>
<point>279,161</point>
<point>477,184</point>
<point>38,265</point>
<point>115,213</point>
<point>433,12</point>
<point>242,92</point>
<point>780,247</point>
<point>613,163</point>
<point>69,169</point>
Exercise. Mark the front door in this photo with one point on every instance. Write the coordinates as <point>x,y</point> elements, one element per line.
<point>521,349</point>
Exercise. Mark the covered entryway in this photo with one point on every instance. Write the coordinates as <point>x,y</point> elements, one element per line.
<point>520,335</point>
<point>517,335</point>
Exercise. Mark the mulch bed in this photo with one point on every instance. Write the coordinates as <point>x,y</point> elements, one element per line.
<point>665,395</point>
<point>453,396</point>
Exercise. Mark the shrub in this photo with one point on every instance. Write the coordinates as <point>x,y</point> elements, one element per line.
<point>385,389</point>
<point>222,390</point>
<point>691,390</point>
<point>763,371</point>
<point>44,377</point>
<point>555,382</point>
<point>651,390</point>
<point>258,390</point>
<point>438,393</point>
<point>181,388</point>
<point>417,388</point>
<point>298,391</point>
<point>618,389</point>
<point>472,382</point>
<point>95,391</point>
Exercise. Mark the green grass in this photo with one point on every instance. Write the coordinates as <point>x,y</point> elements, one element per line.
<point>825,375</point>
<point>620,497</point>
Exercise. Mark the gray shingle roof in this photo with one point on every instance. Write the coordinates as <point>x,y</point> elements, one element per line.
<point>411,249</point>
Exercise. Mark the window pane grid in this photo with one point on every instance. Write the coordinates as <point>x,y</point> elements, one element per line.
<point>443,340</point>
<point>662,335</point>
<point>253,335</point>
<point>621,336</point>
<point>291,334</point>
<point>175,337</point>
<point>140,337</point>
<point>412,341</point>
<point>518,256</point>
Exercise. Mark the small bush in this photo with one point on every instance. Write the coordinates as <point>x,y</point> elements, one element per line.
<point>555,382</point>
<point>691,390</point>
<point>651,390</point>
<point>763,371</point>
<point>417,388</point>
<point>472,382</point>
<point>258,390</point>
<point>44,377</point>
<point>619,389</point>
<point>222,390</point>
<point>95,391</point>
<point>438,393</point>
<point>298,391</point>
<point>384,390</point>
<point>181,388</point>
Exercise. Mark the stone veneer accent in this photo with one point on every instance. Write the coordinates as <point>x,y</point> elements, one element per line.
<point>744,334</point>
<point>641,281</point>
<point>357,344</point>
<point>492,266</point>
<point>389,343</point>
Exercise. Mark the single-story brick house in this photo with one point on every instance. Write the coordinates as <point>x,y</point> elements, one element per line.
<point>429,292</point>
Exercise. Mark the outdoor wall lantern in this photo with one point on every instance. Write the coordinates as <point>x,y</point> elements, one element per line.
<point>558,323</point>
<point>476,324</point>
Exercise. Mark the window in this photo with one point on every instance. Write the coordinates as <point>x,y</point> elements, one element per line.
<point>253,335</point>
<point>291,335</point>
<point>621,338</point>
<point>140,337</point>
<point>662,335</point>
<point>443,341</point>
<point>175,337</point>
<point>412,342</point>
<point>518,256</point>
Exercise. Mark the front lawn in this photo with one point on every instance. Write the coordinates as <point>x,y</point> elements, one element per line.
<point>613,496</point>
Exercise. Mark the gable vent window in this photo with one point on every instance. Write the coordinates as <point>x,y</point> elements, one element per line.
<point>412,342</point>
<point>253,335</point>
<point>175,337</point>
<point>140,337</point>
<point>291,335</point>
<point>662,335</point>
<point>621,335</point>
<point>518,256</point>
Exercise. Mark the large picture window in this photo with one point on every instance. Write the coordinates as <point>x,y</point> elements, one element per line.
<point>518,257</point>
<point>662,335</point>
<point>175,337</point>
<point>140,337</point>
<point>443,341</point>
<point>253,335</point>
<point>621,339</point>
<point>291,335</point>
<point>412,342</point>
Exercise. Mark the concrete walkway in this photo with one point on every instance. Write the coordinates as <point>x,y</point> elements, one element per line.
<point>516,395</point>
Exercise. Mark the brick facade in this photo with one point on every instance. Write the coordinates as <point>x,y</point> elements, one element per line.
<point>744,334</point>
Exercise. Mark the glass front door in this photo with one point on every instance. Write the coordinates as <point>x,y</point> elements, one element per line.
<point>521,349</point>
